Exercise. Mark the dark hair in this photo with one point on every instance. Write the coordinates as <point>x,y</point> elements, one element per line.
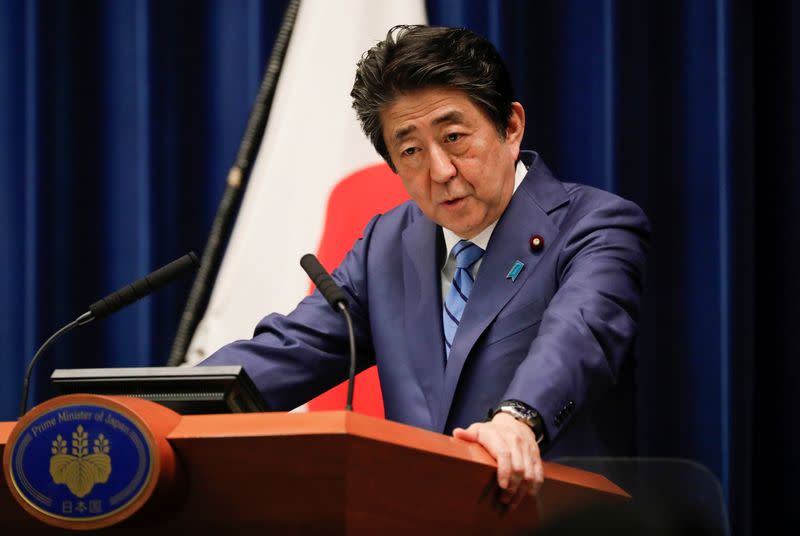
<point>417,57</point>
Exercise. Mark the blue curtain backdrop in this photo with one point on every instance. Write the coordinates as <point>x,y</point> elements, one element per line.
<point>121,118</point>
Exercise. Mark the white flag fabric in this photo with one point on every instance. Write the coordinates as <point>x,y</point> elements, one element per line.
<point>312,141</point>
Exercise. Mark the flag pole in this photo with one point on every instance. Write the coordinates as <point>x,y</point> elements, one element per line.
<point>234,190</point>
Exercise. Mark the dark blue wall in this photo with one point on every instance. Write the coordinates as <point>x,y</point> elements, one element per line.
<point>120,120</point>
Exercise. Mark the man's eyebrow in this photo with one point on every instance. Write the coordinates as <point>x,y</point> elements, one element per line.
<point>449,117</point>
<point>402,133</point>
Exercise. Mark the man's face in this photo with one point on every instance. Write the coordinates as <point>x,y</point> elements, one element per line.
<point>450,157</point>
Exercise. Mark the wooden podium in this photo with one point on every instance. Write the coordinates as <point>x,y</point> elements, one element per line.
<point>314,473</point>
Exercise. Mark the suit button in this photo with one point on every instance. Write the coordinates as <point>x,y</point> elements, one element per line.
<point>571,404</point>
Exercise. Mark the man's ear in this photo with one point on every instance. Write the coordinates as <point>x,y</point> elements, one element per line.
<point>516,126</point>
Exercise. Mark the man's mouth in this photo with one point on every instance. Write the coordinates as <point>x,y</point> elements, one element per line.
<point>453,202</point>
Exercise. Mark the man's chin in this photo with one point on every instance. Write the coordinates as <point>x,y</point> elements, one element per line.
<point>460,221</point>
<point>461,228</point>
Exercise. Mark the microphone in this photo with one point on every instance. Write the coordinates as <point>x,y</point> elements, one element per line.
<point>112,303</point>
<point>323,281</point>
<point>144,286</point>
<point>336,298</point>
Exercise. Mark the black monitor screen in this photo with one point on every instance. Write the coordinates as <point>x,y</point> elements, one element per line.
<point>186,390</point>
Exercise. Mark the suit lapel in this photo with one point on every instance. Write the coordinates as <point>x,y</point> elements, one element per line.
<point>526,215</point>
<point>423,311</point>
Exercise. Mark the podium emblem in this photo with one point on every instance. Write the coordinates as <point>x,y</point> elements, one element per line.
<point>61,461</point>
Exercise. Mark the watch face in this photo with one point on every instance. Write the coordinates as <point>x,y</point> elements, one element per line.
<point>523,413</point>
<point>517,414</point>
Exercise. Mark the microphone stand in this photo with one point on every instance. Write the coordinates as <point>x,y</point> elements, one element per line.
<point>85,318</point>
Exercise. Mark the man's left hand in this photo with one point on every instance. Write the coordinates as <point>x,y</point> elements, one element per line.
<point>513,445</point>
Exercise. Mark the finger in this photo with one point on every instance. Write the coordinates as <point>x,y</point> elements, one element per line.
<point>538,473</point>
<point>517,470</point>
<point>526,486</point>
<point>495,444</point>
<point>470,434</point>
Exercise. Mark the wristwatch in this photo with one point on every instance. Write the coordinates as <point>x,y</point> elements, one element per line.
<point>523,413</point>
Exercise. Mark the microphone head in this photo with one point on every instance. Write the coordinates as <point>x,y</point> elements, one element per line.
<point>144,286</point>
<point>311,265</point>
<point>171,271</point>
<point>323,281</point>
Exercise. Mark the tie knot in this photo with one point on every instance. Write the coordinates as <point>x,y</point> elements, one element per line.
<point>466,253</point>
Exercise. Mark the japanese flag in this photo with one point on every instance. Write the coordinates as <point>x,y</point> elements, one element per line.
<point>315,183</point>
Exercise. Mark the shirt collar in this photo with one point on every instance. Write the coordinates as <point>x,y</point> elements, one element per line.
<point>482,239</point>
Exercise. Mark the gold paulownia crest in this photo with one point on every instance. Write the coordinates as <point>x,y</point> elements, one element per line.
<point>80,471</point>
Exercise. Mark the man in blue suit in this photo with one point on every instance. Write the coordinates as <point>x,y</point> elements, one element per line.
<point>498,290</point>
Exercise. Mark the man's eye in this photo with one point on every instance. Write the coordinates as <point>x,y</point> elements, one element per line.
<point>453,137</point>
<point>410,151</point>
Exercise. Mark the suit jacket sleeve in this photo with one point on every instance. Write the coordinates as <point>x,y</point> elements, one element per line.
<point>295,357</point>
<point>589,325</point>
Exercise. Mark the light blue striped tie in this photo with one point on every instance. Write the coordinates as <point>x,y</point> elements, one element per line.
<point>466,254</point>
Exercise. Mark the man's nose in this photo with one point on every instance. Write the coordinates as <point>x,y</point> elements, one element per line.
<point>442,168</point>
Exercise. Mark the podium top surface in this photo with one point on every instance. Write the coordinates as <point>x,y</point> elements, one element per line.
<point>366,427</point>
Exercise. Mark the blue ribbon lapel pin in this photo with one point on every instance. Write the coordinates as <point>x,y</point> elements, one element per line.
<point>515,270</point>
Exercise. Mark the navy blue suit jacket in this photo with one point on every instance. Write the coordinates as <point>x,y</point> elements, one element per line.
<point>556,338</point>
